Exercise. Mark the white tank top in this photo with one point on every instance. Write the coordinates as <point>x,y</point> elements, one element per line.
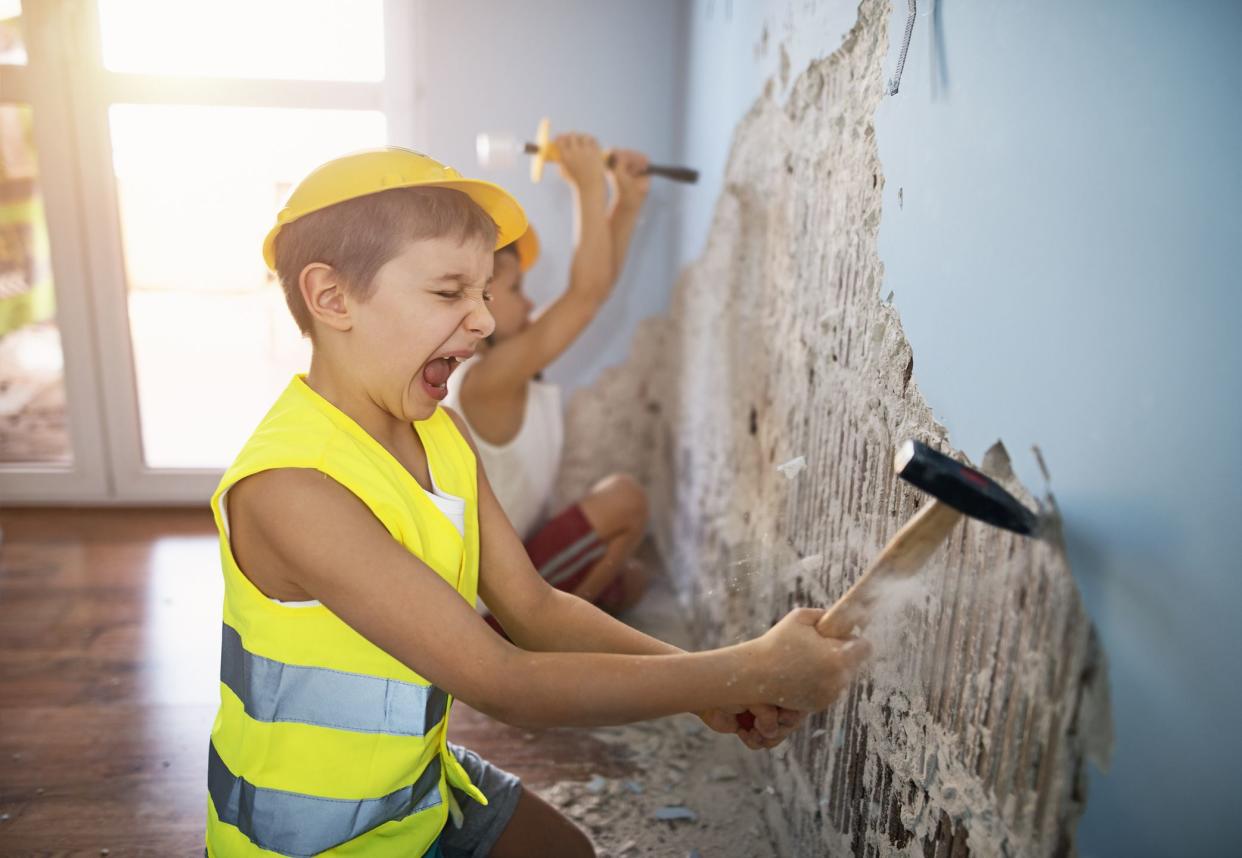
<point>522,473</point>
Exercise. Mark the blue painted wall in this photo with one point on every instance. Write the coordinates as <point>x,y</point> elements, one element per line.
<point>1065,260</point>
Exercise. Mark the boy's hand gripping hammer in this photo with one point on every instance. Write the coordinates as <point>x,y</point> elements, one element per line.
<point>956,490</point>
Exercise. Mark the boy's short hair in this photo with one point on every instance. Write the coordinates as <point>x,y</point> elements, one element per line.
<point>358,236</point>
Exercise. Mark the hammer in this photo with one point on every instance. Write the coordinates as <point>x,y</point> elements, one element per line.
<point>956,490</point>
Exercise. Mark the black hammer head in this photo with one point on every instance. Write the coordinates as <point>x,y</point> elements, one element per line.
<point>963,488</point>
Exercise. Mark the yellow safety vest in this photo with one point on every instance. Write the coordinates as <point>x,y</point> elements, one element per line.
<point>324,743</point>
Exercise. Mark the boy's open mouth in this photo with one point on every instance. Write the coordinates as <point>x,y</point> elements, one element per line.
<point>436,372</point>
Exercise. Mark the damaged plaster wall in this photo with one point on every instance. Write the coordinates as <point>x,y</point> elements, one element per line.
<point>970,733</point>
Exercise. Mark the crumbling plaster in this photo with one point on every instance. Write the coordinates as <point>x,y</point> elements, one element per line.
<point>969,734</point>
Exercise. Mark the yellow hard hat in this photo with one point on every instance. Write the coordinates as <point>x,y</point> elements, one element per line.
<point>527,247</point>
<point>375,170</point>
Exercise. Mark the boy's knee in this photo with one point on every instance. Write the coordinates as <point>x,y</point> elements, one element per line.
<point>633,497</point>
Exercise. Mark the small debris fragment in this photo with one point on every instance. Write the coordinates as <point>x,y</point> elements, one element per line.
<point>819,734</point>
<point>793,467</point>
<point>670,813</point>
<point>770,790</point>
<point>722,773</point>
<point>694,853</point>
<point>103,851</point>
<point>597,784</point>
<point>633,787</point>
<point>4,817</point>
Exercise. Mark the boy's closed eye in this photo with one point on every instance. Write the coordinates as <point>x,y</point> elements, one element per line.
<point>457,294</point>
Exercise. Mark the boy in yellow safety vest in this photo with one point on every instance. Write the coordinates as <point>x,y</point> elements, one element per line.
<point>356,530</point>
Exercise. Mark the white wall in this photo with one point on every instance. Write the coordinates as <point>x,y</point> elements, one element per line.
<point>611,69</point>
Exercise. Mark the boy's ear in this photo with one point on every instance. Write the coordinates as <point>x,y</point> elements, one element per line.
<point>324,293</point>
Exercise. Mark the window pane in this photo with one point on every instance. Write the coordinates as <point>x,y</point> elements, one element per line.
<point>268,39</point>
<point>33,421</point>
<point>12,43</point>
<point>198,188</point>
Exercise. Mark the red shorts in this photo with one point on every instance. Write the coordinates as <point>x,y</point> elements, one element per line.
<point>564,550</point>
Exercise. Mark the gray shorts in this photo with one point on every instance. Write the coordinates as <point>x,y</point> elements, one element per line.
<point>481,826</point>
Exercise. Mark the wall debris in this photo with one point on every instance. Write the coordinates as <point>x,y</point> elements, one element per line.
<point>969,735</point>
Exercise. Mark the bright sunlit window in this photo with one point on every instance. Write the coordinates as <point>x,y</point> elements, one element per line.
<point>198,189</point>
<point>341,40</point>
<point>12,44</point>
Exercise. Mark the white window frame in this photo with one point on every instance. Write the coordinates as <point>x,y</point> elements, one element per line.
<point>71,92</point>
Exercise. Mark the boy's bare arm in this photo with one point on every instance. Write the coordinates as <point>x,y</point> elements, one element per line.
<point>515,361</point>
<point>541,618</point>
<point>630,191</point>
<point>534,614</point>
<point>316,535</point>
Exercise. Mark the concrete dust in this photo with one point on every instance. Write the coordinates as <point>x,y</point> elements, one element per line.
<point>901,607</point>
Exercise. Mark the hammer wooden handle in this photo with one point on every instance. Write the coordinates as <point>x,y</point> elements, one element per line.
<point>903,556</point>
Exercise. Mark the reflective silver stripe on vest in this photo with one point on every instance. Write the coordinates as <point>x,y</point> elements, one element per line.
<point>274,691</point>
<point>303,825</point>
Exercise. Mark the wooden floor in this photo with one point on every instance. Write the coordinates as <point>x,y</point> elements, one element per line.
<point>109,664</point>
